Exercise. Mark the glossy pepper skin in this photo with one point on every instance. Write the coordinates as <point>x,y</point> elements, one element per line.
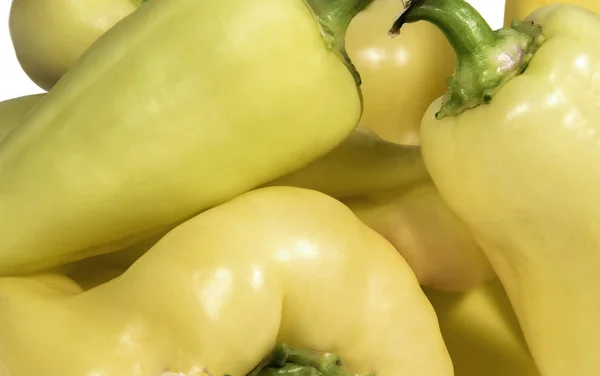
<point>522,170</point>
<point>218,292</point>
<point>50,35</point>
<point>362,164</point>
<point>160,120</point>
<point>481,332</point>
<point>412,217</point>
<point>520,9</point>
<point>436,244</point>
<point>13,111</point>
<point>419,61</point>
<point>389,189</point>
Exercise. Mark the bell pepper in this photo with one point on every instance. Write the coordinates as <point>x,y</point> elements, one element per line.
<point>160,120</point>
<point>277,265</point>
<point>513,150</point>
<point>519,9</point>
<point>14,110</point>
<point>406,61</point>
<point>482,333</point>
<point>50,36</point>
<point>434,242</point>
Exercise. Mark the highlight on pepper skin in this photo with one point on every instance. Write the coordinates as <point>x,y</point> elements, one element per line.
<point>269,188</point>
<point>400,76</point>
<point>242,276</point>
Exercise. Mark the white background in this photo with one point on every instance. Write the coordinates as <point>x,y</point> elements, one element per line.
<point>14,82</point>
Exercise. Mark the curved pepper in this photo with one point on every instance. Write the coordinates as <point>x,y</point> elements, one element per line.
<point>50,36</point>
<point>179,107</point>
<point>276,265</point>
<point>13,111</point>
<point>522,170</point>
<point>519,9</point>
<point>434,242</point>
<point>385,65</point>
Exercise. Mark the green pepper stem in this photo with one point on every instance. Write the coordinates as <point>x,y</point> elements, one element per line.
<point>334,17</point>
<point>290,361</point>
<point>486,59</point>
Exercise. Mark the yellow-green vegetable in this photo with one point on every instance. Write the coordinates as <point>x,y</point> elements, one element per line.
<point>482,333</point>
<point>436,244</point>
<point>522,170</point>
<point>520,9</point>
<point>93,271</point>
<point>13,111</point>
<point>181,106</point>
<point>388,187</point>
<point>49,36</point>
<point>385,64</point>
<point>362,164</point>
<point>275,265</point>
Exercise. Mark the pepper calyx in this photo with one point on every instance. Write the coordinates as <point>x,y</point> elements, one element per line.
<point>291,361</point>
<point>333,18</point>
<point>486,59</point>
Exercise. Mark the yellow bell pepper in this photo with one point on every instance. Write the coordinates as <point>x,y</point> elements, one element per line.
<point>419,61</point>
<point>181,106</point>
<point>436,244</point>
<point>13,111</point>
<point>519,9</point>
<point>482,333</point>
<point>275,265</point>
<point>513,150</point>
<point>50,36</point>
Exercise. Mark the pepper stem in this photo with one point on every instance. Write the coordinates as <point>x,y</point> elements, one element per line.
<point>486,59</point>
<point>289,361</point>
<point>334,17</point>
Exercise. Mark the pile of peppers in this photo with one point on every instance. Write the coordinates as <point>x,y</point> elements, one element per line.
<point>301,187</point>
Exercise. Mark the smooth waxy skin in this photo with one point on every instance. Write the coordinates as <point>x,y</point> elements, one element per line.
<point>50,35</point>
<point>273,265</point>
<point>435,243</point>
<point>13,111</point>
<point>400,76</point>
<point>388,187</point>
<point>159,121</point>
<point>522,173</point>
<point>520,9</point>
<point>363,164</point>
<point>482,333</point>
